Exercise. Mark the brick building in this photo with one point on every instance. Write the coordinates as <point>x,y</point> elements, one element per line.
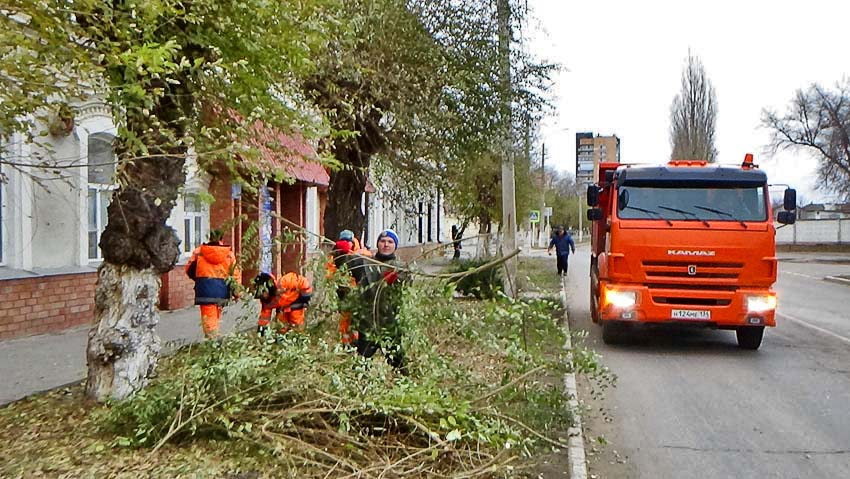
<point>51,219</point>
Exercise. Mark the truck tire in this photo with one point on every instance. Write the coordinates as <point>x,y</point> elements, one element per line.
<point>594,305</point>
<point>749,337</point>
<point>610,332</point>
<point>594,293</point>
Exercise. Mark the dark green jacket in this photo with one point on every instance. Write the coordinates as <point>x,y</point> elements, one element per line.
<point>378,297</point>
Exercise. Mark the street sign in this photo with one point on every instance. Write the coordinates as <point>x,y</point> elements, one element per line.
<point>547,211</point>
<point>534,216</point>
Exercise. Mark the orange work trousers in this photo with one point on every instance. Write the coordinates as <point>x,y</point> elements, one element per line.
<point>210,319</point>
<point>288,319</point>
<point>347,336</point>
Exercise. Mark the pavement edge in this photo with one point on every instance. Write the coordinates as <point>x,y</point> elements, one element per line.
<point>576,455</point>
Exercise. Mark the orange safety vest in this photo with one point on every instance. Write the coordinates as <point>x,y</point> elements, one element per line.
<point>289,287</point>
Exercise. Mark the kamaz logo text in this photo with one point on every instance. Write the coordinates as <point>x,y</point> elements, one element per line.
<point>687,252</point>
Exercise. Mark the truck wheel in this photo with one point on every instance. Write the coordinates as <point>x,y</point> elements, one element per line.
<point>594,306</point>
<point>610,332</point>
<point>749,337</point>
<point>594,294</point>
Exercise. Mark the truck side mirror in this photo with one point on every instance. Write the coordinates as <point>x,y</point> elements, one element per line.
<point>786,217</point>
<point>592,195</point>
<point>790,200</point>
<point>594,214</point>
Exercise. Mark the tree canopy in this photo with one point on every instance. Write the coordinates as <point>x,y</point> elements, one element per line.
<point>817,121</point>
<point>693,115</point>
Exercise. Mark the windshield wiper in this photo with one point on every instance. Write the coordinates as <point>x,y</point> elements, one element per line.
<point>721,212</point>
<point>677,210</point>
<point>652,212</point>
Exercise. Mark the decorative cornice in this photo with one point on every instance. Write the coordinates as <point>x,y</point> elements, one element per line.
<point>92,109</point>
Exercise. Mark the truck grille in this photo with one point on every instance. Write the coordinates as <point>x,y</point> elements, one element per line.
<point>714,283</point>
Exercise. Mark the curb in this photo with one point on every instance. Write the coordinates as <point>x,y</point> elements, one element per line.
<point>838,280</point>
<point>575,454</point>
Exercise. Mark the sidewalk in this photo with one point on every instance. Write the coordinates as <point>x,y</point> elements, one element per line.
<point>39,363</point>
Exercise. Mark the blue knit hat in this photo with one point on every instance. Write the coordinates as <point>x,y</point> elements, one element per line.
<point>346,235</point>
<point>389,233</point>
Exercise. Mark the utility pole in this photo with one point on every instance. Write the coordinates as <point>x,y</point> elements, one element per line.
<point>542,196</point>
<point>509,221</point>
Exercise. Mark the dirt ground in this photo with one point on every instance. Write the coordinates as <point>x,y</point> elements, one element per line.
<point>604,461</point>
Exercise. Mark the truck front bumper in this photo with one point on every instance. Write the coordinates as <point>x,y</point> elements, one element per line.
<point>724,309</point>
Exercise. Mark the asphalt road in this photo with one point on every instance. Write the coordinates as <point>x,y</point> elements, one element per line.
<point>690,404</point>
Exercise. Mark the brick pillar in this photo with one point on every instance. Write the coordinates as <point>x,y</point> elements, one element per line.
<point>221,211</point>
<point>292,208</point>
<point>323,203</point>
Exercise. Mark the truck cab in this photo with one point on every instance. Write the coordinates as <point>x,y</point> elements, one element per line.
<point>687,243</point>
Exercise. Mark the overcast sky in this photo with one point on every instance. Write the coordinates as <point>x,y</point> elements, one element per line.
<point>623,60</point>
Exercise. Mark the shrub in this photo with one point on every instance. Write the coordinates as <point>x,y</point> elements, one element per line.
<point>482,284</point>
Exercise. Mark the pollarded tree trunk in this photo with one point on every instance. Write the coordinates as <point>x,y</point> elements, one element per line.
<point>344,195</point>
<point>138,247</point>
<point>123,347</point>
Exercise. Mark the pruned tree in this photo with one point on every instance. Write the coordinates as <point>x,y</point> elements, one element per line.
<point>818,121</point>
<point>163,67</point>
<point>379,85</point>
<point>693,115</point>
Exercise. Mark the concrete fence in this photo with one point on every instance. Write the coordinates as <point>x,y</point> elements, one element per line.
<point>833,231</point>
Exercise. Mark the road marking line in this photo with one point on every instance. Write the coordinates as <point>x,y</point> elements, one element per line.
<point>816,328</point>
<point>801,274</point>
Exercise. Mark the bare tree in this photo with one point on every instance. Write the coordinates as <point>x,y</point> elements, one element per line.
<point>693,115</point>
<point>818,121</point>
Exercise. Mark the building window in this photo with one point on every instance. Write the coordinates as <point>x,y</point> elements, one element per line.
<point>193,220</point>
<point>3,181</point>
<point>101,175</point>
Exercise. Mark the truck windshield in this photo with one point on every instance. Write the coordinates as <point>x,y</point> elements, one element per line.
<point>696,204</point>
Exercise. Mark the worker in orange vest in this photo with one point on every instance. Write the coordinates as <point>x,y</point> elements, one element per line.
<point>345,252</point>
<point>289,295</point>
<point>213,268</point>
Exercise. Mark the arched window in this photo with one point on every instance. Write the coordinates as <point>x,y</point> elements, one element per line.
<point>101,183</point>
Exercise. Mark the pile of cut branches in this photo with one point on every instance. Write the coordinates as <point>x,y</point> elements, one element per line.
<point>469,406</point>
<point>481,397</point>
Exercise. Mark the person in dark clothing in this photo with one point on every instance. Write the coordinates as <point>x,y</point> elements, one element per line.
<point>457,235</point>
<point>375,315</point>
<point>563,243</point>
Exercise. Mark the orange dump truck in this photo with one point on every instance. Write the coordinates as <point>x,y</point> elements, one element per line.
<point>687,242</point>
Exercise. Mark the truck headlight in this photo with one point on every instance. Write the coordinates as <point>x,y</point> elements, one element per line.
<point>761,303</point>
<point>620,299</point>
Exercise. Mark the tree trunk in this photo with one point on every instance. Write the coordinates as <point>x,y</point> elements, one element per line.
<point>137,248</point>
<point>483,243</point>
<point>344,195</point>
<point>123,348</point>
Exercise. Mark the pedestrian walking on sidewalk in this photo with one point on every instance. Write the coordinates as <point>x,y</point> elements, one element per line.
<point>457,235</point>
<point>217,279</point>
<point>564,244</point>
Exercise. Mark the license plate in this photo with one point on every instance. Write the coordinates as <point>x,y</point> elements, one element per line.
<point>692,314</point>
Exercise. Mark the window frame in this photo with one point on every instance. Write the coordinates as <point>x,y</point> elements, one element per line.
<point>102,191</point>
<point>2,213</point>
<point>101,215</point>
<point>196,216</point>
